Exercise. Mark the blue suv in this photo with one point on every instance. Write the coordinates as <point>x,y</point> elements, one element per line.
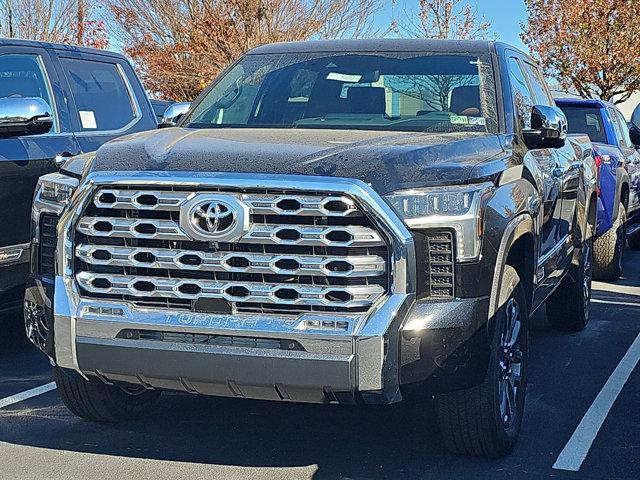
<point>618,164</point>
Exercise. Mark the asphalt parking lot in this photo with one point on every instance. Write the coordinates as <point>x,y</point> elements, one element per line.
<point>573,376</point>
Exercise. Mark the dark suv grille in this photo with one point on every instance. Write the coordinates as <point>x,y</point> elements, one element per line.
<point>440,257</point>
<point>300,252</point>
<point>48,238</point>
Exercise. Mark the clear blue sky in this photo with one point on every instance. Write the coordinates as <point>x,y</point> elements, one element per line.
<point>504,15</point>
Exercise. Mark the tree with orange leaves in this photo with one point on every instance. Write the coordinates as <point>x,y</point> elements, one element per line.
<point>179,46</point>
<point>590,45</point>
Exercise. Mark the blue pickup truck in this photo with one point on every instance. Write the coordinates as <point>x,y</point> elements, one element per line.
<point>618,164</point>
<point>56,101</point>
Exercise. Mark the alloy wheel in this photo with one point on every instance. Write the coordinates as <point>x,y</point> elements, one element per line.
<point>511,363</point>
<point>587,277</point>
<point>621,242</point>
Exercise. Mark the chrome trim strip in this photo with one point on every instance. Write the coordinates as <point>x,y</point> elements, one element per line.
<point>308,205</point>
<point>316,236</point>
<point>264,204</point>
<point>258,233</point>
<point>193,288</point>
<point>223,261</point>
<point>554,251</point>
<point>128,228</point>
<point>14,254</point>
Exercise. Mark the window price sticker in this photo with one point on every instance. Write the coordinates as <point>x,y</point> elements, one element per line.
<point>88,119</point>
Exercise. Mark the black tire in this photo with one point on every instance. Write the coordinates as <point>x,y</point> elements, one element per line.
<point>473,421</point>
<point>96,401</point>
<point>608,249</point>
<point>634,242</point>
<point>568,307</point>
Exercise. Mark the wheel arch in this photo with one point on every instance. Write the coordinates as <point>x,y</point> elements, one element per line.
<point>521,257</point>
<point>624,195</point>
<point>517,249</point>
<point>622,191</point>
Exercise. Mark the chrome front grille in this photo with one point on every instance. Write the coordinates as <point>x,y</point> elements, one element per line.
<point>297,252</point>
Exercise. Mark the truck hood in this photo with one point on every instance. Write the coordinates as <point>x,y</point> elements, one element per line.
<point>387,161</point>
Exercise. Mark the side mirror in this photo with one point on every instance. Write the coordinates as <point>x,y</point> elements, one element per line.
<point>634,127</point>
<point>173,114</point>
<point>24,116</point>
<point>548,128</point>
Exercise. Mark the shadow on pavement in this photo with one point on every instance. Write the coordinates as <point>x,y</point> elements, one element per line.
<point>12,336</point>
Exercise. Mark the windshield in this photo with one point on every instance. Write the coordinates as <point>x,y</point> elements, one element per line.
<point>585,120</point>
<point>382,91</point>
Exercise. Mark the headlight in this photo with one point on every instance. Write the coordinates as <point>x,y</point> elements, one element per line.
<point>55,189</point>
<point>456,207</point>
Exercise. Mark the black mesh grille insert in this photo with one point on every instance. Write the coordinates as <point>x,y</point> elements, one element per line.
<point>440,256</point>
<point>48,238</point>
<point>207,339</point>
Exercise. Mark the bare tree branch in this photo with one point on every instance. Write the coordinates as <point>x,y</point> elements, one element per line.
<point>443,19</point>
<point>60,21</point>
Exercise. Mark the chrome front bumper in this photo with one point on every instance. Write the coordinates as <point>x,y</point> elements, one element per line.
<point>342,356</point>
<point>329,366</point>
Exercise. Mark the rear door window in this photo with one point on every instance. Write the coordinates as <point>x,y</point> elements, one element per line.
<point>102,96</point>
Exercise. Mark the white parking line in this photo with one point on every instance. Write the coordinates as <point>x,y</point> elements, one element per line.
<point>577,448</point>
<point>615,288</point>
<point>613,302</point>
<point>34,392</point>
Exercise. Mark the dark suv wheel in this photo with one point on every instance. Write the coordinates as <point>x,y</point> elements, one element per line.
<point>568,307</point>
<point>96,401</point>
<point>485,420</point>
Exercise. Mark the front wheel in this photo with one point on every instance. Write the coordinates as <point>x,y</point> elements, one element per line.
<point>568,307</point>
<point>485,420</point>
<point>96,401</point>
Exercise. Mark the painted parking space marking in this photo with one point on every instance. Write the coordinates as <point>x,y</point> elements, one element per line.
<point>27,394</point>
<point>612,302</point>
<point>615,288</point>
<point>576,450</point>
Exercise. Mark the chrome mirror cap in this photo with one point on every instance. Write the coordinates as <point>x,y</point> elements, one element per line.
<point>548,127</point>
<point>24,116</point>
<point>173,113</point>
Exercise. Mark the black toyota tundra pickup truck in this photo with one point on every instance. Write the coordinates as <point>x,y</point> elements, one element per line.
<point>332,222</point>
<point>56,101</point>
